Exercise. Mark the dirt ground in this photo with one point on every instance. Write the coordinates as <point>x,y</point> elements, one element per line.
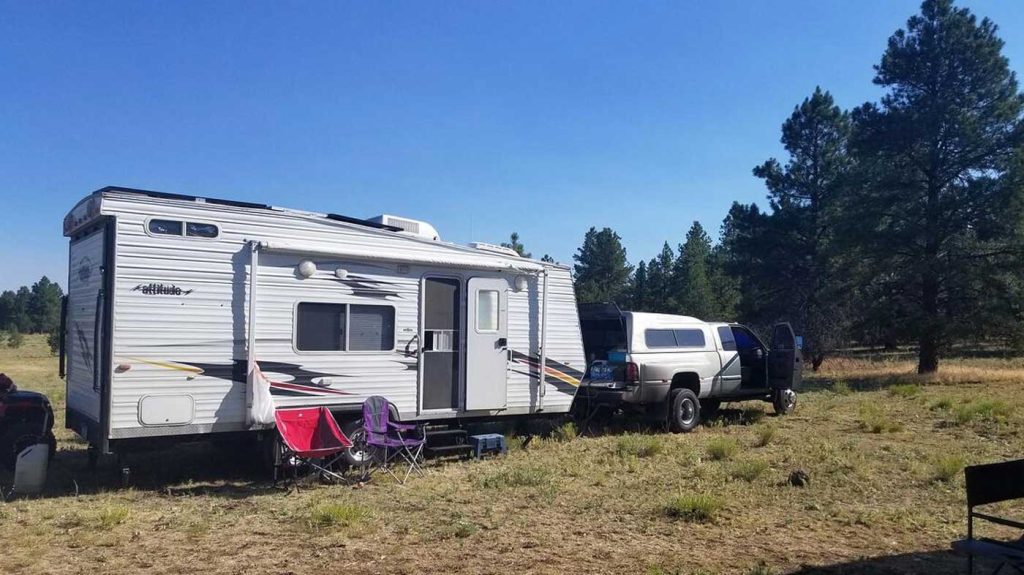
<point>883,450</point>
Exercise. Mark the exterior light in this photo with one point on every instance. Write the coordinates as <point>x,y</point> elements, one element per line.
<point>306,268</point>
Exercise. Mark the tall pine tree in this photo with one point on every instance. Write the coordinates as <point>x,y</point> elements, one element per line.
<point>602,272</point>
<point>934,215</point>
<point>692,275</point>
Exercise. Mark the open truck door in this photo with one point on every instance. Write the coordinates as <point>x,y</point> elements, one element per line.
<point>785,368</point>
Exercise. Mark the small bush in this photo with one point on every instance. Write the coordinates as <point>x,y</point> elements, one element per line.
<point>639,446</point>
<point>722,448</point>
<point>325,515</point>
<point>748,470</point>
<point>53,340</point>
<point>765,435</point>
<point>517,477</point>
<point>15,339</point>
<point>874,420</point>
<point>991,410</point>
<point>840,387</point>
<point>941,404</point>
<point>905,390</point>
<point>752,414</point>
<point>111,516</point>
<point>695,508</point>
<point>945,469</point>
<point>565,432</point>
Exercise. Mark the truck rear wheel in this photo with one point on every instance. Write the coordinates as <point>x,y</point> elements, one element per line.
<point>683,411</point>
<point>784,401</point>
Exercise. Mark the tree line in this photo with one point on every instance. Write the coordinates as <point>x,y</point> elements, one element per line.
<point>897,222</point>
<point>33,309</point>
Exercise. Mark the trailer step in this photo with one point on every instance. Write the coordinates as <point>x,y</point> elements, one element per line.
<point>450,448</point>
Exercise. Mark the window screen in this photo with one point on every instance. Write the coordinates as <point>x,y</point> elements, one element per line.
<point>689,337</point>
<point>200,230</point>
<point>165,227</point>
<point>320,327</point>
<point>728,341</point>
<point>660,338</point>
<point>487,310</point>
<point>371,328</point>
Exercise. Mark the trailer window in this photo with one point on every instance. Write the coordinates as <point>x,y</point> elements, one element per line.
<point>320,327</point>
<point>165,227</point>
<point>198,230</point>
<point>371,328</point>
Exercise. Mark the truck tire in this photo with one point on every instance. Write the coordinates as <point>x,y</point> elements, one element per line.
<point>683,411</point>
<point>17,438</point>
<point>784,401</point>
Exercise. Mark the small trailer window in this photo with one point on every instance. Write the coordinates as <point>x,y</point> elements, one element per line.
<point>320,327</point>
<point>198,230</point>
<point>487,311</point>
<point>344,327</point>
<point>165,227</point>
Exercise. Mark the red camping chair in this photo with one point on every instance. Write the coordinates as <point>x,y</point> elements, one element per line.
<point>310,436</point>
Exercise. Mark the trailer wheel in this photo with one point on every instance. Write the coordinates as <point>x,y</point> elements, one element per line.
<point>683,411</point>
<point>16,439</point>
<point>359,454</point>
<point>784,401</point>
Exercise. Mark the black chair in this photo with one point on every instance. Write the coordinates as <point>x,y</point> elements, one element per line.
<point>993,483</point>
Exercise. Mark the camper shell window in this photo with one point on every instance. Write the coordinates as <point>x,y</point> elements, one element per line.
<point>161,227</point>
<point>660,338</point>
<point>344,327</point>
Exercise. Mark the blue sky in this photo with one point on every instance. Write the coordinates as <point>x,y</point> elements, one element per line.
<point>480,117</point>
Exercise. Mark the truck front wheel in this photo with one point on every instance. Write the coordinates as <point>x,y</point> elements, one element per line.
<point>683,411</point>
<point>784,401</point>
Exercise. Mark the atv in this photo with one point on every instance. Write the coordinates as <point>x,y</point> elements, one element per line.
<point>26,419</point>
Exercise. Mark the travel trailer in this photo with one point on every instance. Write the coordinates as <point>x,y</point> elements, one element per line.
<point>186,316</point>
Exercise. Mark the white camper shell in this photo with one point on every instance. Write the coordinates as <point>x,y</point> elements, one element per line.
<point>172,300</point>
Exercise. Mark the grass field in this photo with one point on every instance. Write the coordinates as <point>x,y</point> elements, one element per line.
<point>883,450</point>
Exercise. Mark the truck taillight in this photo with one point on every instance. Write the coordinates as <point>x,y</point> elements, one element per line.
<point>632,373</point>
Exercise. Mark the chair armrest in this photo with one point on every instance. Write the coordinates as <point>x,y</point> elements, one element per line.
<point>403,426</point>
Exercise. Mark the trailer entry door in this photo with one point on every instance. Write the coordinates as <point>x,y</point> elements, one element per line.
<point>487,344</point>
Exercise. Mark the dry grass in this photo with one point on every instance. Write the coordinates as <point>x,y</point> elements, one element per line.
<point>657,501</point>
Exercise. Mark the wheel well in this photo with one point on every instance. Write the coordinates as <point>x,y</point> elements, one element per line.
<point>689,381</point>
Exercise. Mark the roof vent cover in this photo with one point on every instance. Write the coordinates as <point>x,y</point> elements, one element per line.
<point>408,226</point>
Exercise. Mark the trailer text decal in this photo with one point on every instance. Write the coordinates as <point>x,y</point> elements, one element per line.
<point>160,289</point>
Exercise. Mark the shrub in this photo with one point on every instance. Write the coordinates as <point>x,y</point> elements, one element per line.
<point>721,448</point>
<point>748,470</point>
<point>324,515</point>
<point>984,410</point>
<point>696,508</point>
<point>53,340</point>
<point>905,390</point>
<point>874,420</point>
<point>765,435</point>
<point>639,445</point>
<point>15,339</point>
<point>566,432</point>
<point>516,477</point>
<point>941,404</point>
<point>111,516</point>
<point>840,387</point>
<point>945,469</point>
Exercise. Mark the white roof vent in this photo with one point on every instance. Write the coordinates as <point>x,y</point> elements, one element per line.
<point>408,226</point>
<point>485,247</point>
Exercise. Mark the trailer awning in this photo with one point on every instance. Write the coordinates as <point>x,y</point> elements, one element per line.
<point>467,260</point>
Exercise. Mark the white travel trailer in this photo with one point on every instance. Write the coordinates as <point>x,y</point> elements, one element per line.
<point>172,298</point>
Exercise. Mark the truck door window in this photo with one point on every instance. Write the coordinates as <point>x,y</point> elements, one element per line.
<point>745,340</point>
<point>728,340</point>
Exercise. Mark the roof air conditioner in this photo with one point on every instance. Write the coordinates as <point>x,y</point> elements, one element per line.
<point>408,226</point>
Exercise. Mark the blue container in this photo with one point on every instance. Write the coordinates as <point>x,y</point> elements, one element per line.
<point>488,443</point>
<point>617,356</point>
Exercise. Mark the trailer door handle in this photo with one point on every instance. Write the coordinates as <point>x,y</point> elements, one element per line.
<point>503,342</point>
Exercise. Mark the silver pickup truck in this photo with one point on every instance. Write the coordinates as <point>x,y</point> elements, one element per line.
<point>676,366</point>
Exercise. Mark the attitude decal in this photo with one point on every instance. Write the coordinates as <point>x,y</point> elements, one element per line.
<point>160,289</point>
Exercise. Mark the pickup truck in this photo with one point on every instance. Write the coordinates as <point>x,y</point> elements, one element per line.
<point>678,367</point>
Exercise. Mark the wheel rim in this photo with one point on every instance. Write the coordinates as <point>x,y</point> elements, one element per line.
<point>687,412</point>
<point>359,451</point>
<point>788,399</point>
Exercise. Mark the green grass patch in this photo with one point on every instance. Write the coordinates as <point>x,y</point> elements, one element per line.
<point>840,387</point>
<point>748,470</point>
<point>329,515</point>
<point>905,390</point>
<point>516,477</point>
<point>764,435</point>
<point>639,445</point>
<point>111,516</point>
<point>941,404</point>
<point>874,420</point>
<point>947,468</point>
<point>565,432</point>
<point>694,508</point>
<point>991,410</point>
<point>722,448</point>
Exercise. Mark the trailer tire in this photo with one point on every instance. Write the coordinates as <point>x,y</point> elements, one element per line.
<point>359,454</point>
<point>16,438</point>
<point>683,411</point>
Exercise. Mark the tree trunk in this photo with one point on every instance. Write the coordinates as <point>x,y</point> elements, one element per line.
<point>816,361</point>
<point>928,352</point>
<point>928,355</point>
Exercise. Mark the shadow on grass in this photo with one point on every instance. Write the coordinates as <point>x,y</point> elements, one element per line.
<point>922,563</point>
<point>622,423</point>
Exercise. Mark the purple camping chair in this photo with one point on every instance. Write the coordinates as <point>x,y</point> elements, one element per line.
<point>389,441</point>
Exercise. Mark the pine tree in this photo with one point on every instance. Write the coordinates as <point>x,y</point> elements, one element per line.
<point>602,272</point>
<point>661,282</point>
<point>692,275</point>
<point>640,298</point>
<point>934,214</point>
<point>43,306</point>
<point>516,245</point>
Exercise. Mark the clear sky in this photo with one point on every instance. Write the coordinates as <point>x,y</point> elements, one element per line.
<point>479,117</point>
